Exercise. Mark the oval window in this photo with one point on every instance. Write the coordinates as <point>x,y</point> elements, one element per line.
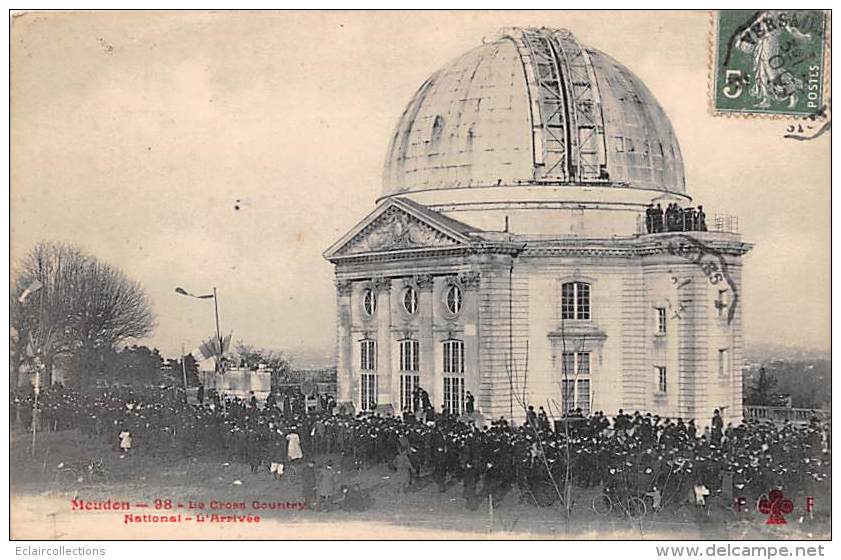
<point>410,300</point>
<point>369,302</point>
<point>454,299</point>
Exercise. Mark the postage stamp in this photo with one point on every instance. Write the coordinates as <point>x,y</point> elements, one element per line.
<point>769,61</point>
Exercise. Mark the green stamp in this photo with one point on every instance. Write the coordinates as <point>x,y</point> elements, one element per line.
<point>769,61</point>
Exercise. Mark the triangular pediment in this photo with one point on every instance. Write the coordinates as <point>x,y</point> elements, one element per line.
<point>398,225</point>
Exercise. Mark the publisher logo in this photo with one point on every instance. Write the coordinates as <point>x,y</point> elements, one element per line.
<point>776,506</point>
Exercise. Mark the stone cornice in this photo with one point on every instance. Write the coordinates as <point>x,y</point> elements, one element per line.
<point>479,248</point>
<point>640,246</point>
<point>619,247</point>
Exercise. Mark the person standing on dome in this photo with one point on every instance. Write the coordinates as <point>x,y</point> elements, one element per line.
<point>702,219</point>
<point>685,219</point>
<point>658,219</point>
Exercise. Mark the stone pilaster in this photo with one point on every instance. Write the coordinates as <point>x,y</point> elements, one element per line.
<point>469,282</point>
<point>426,336</point>
<point>385,393</point>
<point>346,380</point>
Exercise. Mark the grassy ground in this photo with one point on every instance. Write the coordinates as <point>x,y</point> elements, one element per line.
<point>41,505</point>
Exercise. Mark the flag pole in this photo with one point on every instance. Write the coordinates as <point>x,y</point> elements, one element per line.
<point>184,372</point>
<point>218,332</point>
<point>35,405</point>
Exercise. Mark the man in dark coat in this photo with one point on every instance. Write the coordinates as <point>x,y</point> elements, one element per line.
<point>469,405</point>
<point>439,460</point>
<point>717,427</point>
<point>531,418</point>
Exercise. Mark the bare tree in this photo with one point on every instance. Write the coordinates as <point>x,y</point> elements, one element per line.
<point>83,305</point>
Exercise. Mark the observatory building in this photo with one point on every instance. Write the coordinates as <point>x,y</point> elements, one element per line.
<point>518,253</point>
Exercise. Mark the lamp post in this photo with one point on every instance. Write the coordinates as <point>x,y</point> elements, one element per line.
<point>183,292</point>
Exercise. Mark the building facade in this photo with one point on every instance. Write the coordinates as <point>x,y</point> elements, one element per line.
<point>517,254</point>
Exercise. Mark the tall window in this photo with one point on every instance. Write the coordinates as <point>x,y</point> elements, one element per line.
<point>575,385</point>
<point>409,378</point>
<point>454,299</point>
<point>409,355</point>
<point>723,362</point>
<point>410,300</point>
<point>454,395</point>
<point>661,320</point>
<point>575,300</point>
<point>454,356</point>
<point>369,302</point>
<point>368,355</point>
<point>408,383</point>
<point>662,381</point>
<point>368,377</point>
<point>368,391</point>
<point>454,376</point>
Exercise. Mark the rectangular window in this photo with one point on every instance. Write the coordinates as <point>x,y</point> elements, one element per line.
<point>576,364</point>
<point>721,303</point>
<point>661,320</point>
<point>583,396</point>
<point>454,395</point>
<point>368,355</point>
<point>408,384</point>
<point>661,378</point>
<point>409,355</point>
<point>619,142</point>
<point>368,391</point>
<point>568,301</point>
<point>575,385</point>
<point>454,356</point>
<point>582,301</point>
<point>575,300</point>
<point>568,396</point>
<point>723,362</point>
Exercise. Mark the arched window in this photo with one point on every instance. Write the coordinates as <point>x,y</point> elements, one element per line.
<point>410,300</point>
<point>575,300</point>
<point>454,299</point>
<point>369,302</point>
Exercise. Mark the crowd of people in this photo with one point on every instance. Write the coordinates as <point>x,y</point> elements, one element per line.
<point>674,218</point>
<point>628,454</point>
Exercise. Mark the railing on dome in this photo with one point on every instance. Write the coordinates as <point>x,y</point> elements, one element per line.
<point>781,414</point>
<point>724,223</point>
<point>720,223</point>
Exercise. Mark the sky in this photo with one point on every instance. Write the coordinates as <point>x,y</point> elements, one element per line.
<point>230,149</point>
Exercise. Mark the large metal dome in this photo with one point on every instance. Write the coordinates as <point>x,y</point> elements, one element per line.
<point>533,107</point>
